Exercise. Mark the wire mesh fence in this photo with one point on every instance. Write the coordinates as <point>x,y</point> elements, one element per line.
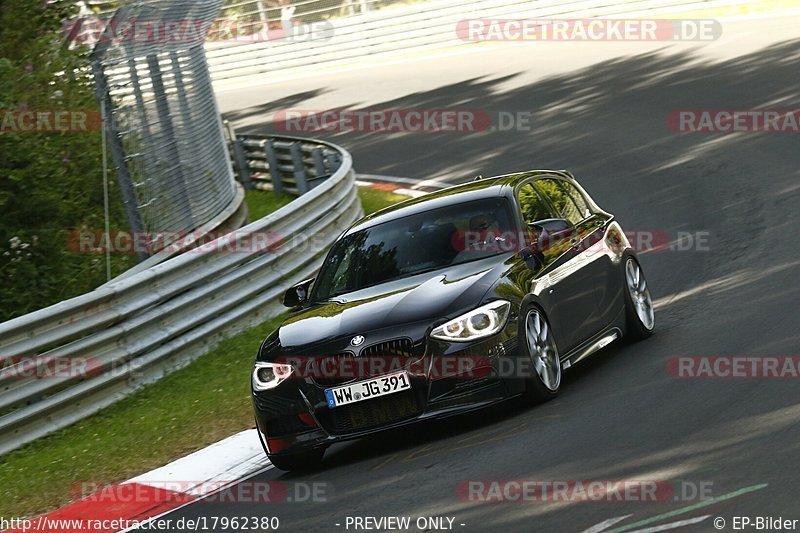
<point>166,135</point>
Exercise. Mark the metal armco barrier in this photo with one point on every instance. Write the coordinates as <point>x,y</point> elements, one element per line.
<point>288,164</point>
<point>135,330</point>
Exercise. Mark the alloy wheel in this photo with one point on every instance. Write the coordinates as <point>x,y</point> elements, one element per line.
<point>542,350</point>
<point>640,295</point>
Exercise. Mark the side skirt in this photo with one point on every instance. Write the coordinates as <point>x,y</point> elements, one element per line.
<point>591,346</point>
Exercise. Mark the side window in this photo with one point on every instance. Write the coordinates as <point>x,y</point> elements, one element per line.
<point>578,198</point>
<point>562,202</point>
<point>533,206</point>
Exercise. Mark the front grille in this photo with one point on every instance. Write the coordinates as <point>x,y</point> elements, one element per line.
<point>392,348</point>
<point>511,345</point>
<point>461,385</point>
<point>279,401</point>
<point>376,359</point>
<point>331,369</point>
<point>370,413</point>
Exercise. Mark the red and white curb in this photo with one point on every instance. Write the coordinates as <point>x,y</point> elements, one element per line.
<point>397,185</point>
<point>159,491</point>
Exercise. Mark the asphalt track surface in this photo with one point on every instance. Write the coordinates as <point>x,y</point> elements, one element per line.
<point>598,109</point>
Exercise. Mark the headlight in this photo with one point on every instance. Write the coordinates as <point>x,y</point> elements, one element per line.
<point>482,322</point>
<point>267,376</point>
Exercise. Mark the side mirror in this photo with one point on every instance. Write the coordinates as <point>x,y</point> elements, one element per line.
<point>550,225</point>
<point>297,295</point>
<point>552,232</point>
<point>533,258</point>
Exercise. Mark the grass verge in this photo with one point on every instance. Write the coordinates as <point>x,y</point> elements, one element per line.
<point>376,199</point>
<point>185,411</point>
<point>262,203</point>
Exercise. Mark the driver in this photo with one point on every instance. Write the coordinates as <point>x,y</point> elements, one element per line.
<point>484,223</point>
<point>484,233</point>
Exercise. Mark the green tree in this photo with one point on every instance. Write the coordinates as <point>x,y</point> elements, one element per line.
<point>50,183</point>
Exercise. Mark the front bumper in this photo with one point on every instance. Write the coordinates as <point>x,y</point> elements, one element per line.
<point>446,379</point>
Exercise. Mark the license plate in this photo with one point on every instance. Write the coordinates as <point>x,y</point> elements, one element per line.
<point>366,390</point>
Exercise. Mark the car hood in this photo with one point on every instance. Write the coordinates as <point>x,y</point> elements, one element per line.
<point>426,297</point>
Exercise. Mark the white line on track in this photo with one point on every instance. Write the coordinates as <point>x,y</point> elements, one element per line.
<point>436,183</point>
<point>673,525</point>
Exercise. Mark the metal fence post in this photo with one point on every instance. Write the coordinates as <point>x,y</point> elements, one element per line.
<point>162,108</point>
<point>242,169</point>
<point>300,175</point>
<point>229,130</point>
<point>118,154</point>
<point>272,162</point>
<point>141,109</point>
<point>319,162</point>
<point>334,161</point>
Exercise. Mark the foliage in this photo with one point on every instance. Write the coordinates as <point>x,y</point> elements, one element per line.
<point>50,183</point>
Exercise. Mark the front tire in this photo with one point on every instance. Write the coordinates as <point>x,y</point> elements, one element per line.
<point>539,346</point>
<point>639,314</point>
<point>300,461</point>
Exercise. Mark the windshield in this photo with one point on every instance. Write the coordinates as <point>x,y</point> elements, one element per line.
<point>411,245</point>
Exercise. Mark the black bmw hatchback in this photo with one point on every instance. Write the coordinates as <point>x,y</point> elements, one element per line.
<point>444,304</point>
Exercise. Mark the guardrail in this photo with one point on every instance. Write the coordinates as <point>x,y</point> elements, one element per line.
<point>288,164</point>
<point>133,331</point>
<point>399,29</point>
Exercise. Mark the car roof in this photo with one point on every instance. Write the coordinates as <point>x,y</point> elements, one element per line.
<point>474,190</point>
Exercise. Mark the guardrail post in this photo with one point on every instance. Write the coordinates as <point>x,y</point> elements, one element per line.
<point>242,169</point>
<point>300,175</point>
<point>272,163</point>
<point>334,161</point>
<point>319,162</point>
<point>229,130</point>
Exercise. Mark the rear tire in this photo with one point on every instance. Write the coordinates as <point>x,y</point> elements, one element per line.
<point>539,347</point>
<point>639,314</point>
<point>301,461</point>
